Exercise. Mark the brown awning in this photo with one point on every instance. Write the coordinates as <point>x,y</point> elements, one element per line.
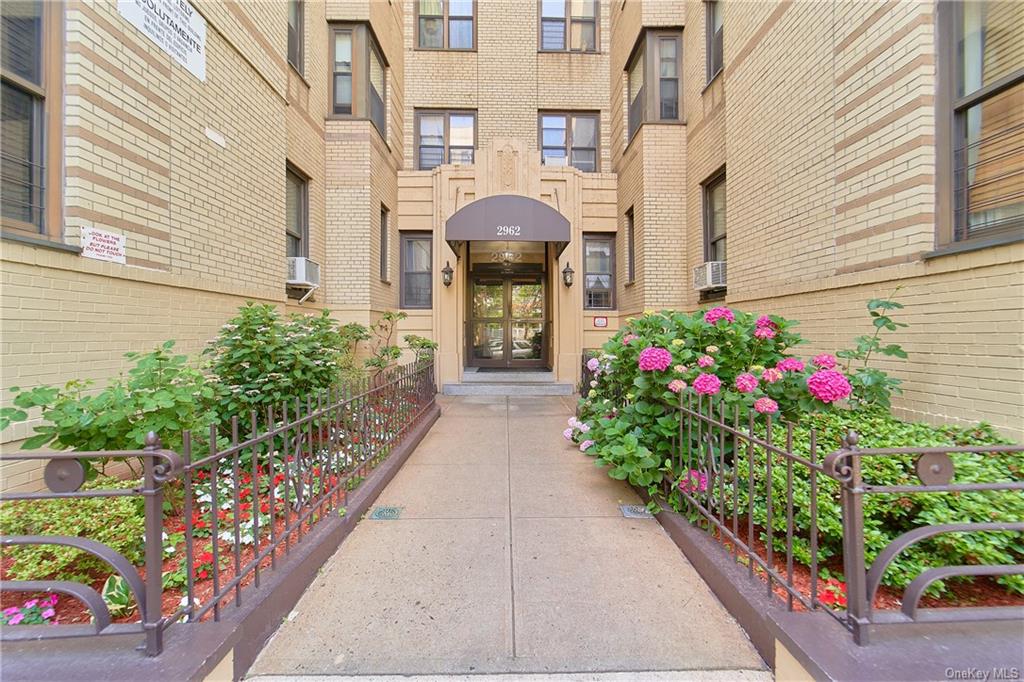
<point>508,217</point>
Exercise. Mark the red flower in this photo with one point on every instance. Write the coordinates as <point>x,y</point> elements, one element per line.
<point>202,575</point>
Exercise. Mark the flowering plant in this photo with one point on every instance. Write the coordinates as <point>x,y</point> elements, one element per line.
<point>32,612</point>
<point>725,358</point>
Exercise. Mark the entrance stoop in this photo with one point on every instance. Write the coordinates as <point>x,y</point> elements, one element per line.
<point>508,383</point>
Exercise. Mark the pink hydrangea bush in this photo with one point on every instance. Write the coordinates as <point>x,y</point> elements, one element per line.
<point>707,384</point>
<point>746,383</point>
<point>720,359</point>
<point>829,386</point>
<point>824,361</point>
<point>720,313</point>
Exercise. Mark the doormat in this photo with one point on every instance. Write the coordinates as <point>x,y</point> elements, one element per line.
<point>635,511</point>
<point>487,370</point>
<point>386,513</point>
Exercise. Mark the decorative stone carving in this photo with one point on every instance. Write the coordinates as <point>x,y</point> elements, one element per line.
<point>508,162</point>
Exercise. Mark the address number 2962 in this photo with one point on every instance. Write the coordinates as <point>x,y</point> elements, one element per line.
<point>508,230</point>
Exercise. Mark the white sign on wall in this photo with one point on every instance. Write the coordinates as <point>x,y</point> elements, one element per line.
<point>175,26</point>
<point>102,245</point>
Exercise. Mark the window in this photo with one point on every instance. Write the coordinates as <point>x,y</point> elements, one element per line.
<point>569,139</point>
<point>434,16</point>
<point>598,272</point>
<point>378,88</point>
<point>636,92</point>
<point>342,71</point>
<point>359,75</point>
<point>581,16</point>
<point>630,248</point>
<point>30,178</point>
<point>713,34</point>
<point>668,78</point>
<point>714,218</point>
<point>296,34</point>
<point>416,266</point>
<point>385,274</point>
<point>444,137</point>
<point>656,62</point>
<point>981,121</point>
<point>296,214</point>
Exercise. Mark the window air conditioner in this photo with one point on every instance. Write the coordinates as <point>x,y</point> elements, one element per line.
<point>303,272</point>
<point>710,275</point>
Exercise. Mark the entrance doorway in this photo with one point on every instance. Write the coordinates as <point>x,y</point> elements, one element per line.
<point>508,308</point>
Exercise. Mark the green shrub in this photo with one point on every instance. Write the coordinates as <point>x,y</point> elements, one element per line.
<point>161,393</point>
<point>117,522</point>
<point>261,359</point>
<point>887,516</point>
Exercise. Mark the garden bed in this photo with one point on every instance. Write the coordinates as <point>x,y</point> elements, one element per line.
<point>978,592</point>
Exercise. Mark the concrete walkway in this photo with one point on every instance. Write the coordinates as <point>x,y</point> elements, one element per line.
<point>511,555</point>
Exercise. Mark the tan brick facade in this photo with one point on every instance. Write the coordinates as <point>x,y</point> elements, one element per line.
<point>824,119</point>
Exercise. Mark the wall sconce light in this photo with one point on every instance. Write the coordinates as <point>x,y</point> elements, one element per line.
<point>447,273</point>
<point>567,273</point>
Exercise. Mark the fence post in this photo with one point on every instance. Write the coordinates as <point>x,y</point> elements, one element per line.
<point>154,509</point>
<point>858,606</point>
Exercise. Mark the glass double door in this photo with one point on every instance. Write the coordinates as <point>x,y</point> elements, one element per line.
<point>507,321</point>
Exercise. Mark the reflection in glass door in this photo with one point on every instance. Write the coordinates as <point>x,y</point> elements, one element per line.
<point>487,327</point>
<point>526,321</point>
<point>507,321</point>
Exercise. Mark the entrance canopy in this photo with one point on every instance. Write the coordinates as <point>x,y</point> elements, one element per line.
<point>508,217</point>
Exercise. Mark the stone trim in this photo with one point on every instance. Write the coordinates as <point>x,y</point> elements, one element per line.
<point>756,39</point>
<point>921,102</point>
<point>893,153</point>
<point>924,19</point>
<point>127,154</point>
<point>891,226</point>
<point>117,186</point>
<point>870,265</point>
<point>95,216</point>
<point>921,180</point>
<point>120,75</point>
<point>863,26</point>
<point>892,79</point>
<point>118,113</point>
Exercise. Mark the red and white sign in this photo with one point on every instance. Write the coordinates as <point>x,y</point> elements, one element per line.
<point>601,321</point>
<point>103,245</point>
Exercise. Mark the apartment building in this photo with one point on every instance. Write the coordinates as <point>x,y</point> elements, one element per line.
<point>519,177</point>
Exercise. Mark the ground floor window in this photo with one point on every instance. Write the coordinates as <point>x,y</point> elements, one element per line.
<point>31,123</point>
<point>598,271</point>
<point>297,214</point>
<point>416,268</point>
<point>714,218</point>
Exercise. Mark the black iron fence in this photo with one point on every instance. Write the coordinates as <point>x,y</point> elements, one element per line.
<point>769,504</point>
<point>247,498</point>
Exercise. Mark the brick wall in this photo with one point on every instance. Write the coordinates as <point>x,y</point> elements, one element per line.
<point>830,158</point>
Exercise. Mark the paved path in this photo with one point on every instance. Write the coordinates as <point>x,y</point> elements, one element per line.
<point>511,556</point>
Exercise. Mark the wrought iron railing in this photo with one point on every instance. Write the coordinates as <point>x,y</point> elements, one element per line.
<point>249,497</point>
<point>737,483</point>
